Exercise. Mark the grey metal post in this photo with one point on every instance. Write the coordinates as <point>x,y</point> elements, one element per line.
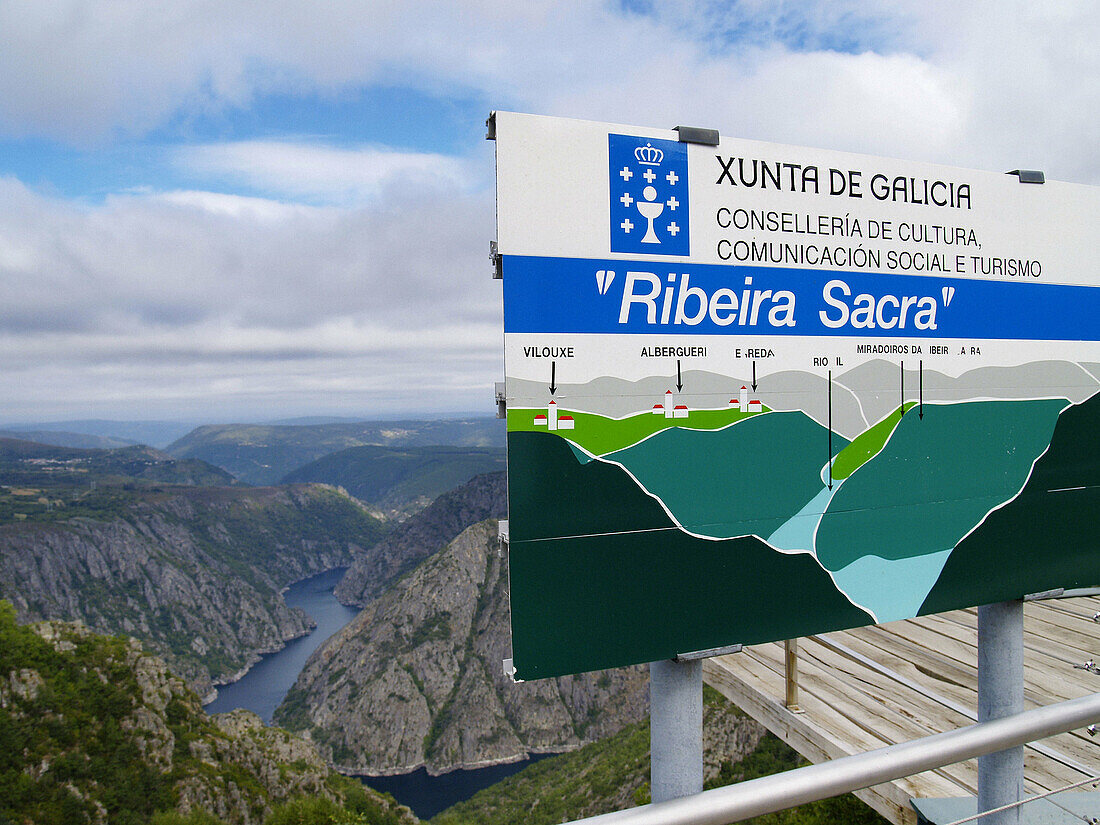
<point>1000,694</point>
<point>675,729</point>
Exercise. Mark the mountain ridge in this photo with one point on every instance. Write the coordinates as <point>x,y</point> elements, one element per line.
<point>263,454</point>
<point>409,543</point>
<point>196,573</point>
<point>432,646</point>
<point>399,481</point>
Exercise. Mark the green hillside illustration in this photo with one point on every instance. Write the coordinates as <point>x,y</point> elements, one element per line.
<point>868,444</point>
<point>599,435</point>
<point>880,518</point>
<point>587,523</point>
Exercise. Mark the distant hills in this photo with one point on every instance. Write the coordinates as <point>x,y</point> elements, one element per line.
<point>400,480</point>
<point>60,438</point>
<point>97,432</point>
<point>265,454</point>
<point>136,461</point>
<point>43,482</point>
<point>178,553</point>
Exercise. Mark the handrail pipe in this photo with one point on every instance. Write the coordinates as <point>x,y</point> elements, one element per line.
<point>768,794</point>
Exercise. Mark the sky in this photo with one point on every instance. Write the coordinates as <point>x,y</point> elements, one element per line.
<point>223,210</point>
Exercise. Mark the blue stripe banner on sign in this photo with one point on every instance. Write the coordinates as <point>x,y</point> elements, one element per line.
<point>586,295</point>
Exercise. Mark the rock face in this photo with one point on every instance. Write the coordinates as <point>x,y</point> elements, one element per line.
<point>108,734</point>
<point>416,679</point>
<point>484,496</point>
<point>195,573</point>
<point>729,734</point>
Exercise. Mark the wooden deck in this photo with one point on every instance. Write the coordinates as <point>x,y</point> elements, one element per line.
<point>876,686</point>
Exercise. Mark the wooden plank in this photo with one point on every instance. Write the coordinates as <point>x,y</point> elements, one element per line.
<point>968,698</point>
<point>937,645</point>
<point>1074,631</point>
<point>890,799</point>
<point>894,717</point>
<point>852,738</point>
<point>1046,677</point>
<point>816,743</point>
<point>844,697</point>
<point>915,711</point>
<point>1034,641</point>
<point>919,646</point>
<point>1070,613</point>
<point>1043,684</point>
<point>917,715</point>
<point>818,716</point>
<point>941,677</point>
<point>852,707</point>
<point>828,736</point>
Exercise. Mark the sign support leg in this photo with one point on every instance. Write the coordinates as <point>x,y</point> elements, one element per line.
<point>675,728</point>
<point>1000,694</point>
<point>790,668</point>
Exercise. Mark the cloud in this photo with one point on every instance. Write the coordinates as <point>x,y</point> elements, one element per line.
<point>232,206</point>
<point>319,173</point>
<point>205,300</point>
<point>978,83</point>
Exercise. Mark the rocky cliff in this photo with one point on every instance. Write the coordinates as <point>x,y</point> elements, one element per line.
<point>96,730</point>
<point>484,496</point>
<point>416,678</point>
<point>195,573</point>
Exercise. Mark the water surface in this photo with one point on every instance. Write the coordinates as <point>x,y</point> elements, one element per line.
<point>267,682</point>
<point>428,795</point>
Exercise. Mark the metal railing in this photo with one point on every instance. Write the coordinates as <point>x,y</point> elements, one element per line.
<point>756,797</point>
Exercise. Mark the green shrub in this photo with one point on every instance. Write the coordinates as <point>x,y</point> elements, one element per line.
<point>312,811</point>
<point>193,818</point>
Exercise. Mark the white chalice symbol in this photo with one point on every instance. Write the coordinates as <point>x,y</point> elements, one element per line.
<point>650,209</point>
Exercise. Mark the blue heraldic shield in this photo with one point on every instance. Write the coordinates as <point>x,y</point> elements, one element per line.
<point>648,191</point>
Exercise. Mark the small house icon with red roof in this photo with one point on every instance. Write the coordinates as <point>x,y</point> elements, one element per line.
<point>552,421</point>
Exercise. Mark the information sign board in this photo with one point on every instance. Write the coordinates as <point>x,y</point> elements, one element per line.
<point>759,391</point>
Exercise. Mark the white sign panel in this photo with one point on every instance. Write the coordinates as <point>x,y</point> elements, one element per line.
<point>829,372</point>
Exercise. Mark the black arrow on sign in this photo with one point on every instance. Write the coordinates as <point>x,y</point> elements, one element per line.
<point>679,383</point>
<point>553,371</point>
<point>920,412</point>
<point>754,376</point>
<point>903,388</point>
<point>830,429</point>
